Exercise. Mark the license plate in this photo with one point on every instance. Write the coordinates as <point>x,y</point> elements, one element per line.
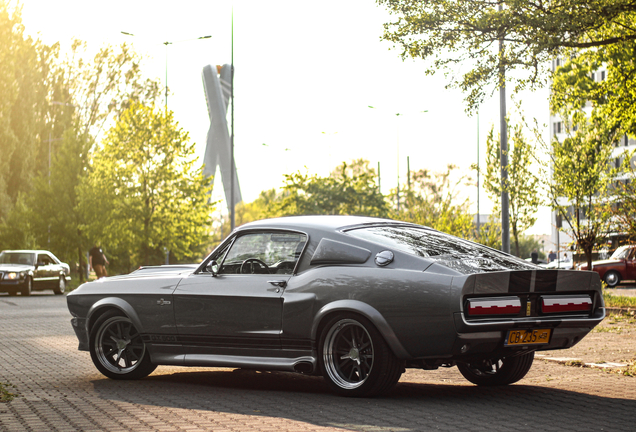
<point>528,337</point>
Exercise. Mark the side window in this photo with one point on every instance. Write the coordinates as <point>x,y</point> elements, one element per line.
<point>44,259</point>
<point>264,253</point>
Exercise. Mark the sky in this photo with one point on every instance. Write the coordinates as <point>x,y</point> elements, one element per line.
<point>305,76</point>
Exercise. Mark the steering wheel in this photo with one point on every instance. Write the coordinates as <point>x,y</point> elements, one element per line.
<point>250,262</point>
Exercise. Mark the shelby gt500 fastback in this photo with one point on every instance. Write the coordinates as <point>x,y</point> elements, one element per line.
<point>355,299</point>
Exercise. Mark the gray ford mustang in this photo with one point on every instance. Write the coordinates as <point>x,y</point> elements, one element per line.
<point>355,299</point>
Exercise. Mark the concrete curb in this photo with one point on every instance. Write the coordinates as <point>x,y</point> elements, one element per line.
<point>577,362</point>
<point>623,311</point>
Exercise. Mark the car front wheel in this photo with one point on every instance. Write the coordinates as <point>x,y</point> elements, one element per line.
<point>354,358</point>
<point>503,371</point>
<point>117,349</point>
<point>612,278</point>
<point>27,287</point>
<point>61,286</point>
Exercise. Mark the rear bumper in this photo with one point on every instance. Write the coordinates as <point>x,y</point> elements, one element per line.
<point>486,337</point>
<point>79,325</point>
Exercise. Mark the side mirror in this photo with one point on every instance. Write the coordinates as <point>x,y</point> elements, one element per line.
<point>212,267</point>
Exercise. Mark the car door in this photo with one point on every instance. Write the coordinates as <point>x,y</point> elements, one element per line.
<point>630,265</point>
<point>238,309</point>
<point>42,274</point>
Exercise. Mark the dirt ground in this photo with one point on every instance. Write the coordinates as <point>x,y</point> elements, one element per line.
<point>614,340</point>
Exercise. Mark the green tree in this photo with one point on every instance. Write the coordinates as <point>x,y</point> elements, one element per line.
<point>522,184</point>
<point>449,32</point>
<point>351,189</point>
<point>143,194</point>
<point>54,201</point>
<point>579,176</point>
<point>24,87</point>
<point>623,206</point>
<point>603,79</point>
<point>434,199</point>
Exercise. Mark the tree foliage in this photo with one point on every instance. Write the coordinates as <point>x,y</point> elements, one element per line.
<point>350,189</point>
<point>449,32</point>
<point>522,184</point>
<point>581,177</point>
<point>25,75</point>
<point>434,199</point>
<point>52,112</point>
<point>143,195</point>
<point>603,79</point>
<point>623,206</point>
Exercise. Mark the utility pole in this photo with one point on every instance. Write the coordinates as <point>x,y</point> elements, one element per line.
<point>478,221</point>
<point>505,218</point>
<point>232,208</point>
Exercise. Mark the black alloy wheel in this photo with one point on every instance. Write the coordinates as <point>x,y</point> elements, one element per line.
<point>117,349</point>
<point>60,288</point>
<point>503,371</point>
<point>354,358</point>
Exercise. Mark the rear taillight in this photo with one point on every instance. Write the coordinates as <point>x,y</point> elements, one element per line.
<point>573,303</point>
<point>494,306</point>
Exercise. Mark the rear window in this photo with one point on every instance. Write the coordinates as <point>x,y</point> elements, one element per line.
<point>428,243</point>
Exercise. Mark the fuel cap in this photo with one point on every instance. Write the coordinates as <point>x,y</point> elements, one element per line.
<point>384,258</point>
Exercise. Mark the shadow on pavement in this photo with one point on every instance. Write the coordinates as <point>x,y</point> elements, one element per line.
<point>409,407</point>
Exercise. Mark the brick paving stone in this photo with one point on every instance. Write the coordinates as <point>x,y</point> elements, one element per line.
<point>61,390</point>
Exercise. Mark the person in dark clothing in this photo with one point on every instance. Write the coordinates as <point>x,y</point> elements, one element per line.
<point>98,261</point>
<point>535,257</point>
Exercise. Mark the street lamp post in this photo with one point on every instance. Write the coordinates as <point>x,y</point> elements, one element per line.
<point>505,218</point>
<point>166,43</point>
<point>398,153</point>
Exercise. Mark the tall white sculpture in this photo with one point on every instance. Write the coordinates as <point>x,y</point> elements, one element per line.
<point>217,150</point>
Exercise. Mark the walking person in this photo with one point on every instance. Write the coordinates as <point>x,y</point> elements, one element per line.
<point>98,261</point>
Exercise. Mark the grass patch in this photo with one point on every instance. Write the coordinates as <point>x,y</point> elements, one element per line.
<point>5,393</point>
<point>612,300</point>
<point>629,370</point>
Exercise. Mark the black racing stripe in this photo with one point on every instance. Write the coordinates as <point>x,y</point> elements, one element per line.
<point>520,281</point>
<point>546,281</point>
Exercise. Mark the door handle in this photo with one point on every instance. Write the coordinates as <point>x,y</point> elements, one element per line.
<point>278,283</point>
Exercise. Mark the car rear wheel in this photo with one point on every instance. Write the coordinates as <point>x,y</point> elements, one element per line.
<point>354,358</point>
<point>503,371</point>
<point>61,286</point>
<point>117,349</point>
<point>27,287</point>
<point>612,278</point>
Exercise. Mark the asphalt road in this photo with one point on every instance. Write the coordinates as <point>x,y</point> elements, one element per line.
<point>60,390</point>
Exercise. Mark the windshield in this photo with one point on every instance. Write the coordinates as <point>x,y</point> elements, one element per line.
<point>17,258</point>
<point>621,253</point>
<point>455,252</point>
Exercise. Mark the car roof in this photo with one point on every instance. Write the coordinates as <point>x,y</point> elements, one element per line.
<point>28,251</point>
<point>320,222</point>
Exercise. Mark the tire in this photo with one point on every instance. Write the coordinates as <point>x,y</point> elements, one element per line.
<point>27,287</point>
<point>60,288</point>
<point>117,349</point>
<point>354,358</point>
<point>612,278</point>
<point>504,371</point>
